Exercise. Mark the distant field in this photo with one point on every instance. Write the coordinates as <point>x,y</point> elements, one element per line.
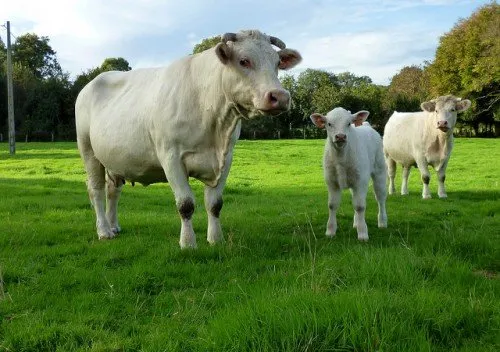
<point>429,282</point>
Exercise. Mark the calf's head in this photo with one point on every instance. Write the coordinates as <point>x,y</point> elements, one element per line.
<point>339,124</point>
<point>444,111</point>
<point>250,78</point>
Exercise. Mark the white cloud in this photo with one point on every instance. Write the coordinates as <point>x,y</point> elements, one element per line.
<point>371,37</point>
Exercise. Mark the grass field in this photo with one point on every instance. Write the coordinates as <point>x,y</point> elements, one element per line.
<point>429,282</point>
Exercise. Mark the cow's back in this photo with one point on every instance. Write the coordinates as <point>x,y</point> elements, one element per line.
<point>403,136</point>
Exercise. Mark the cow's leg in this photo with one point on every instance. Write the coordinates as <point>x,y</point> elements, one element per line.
<point>96,182</point>
<point>359,205</point>
<point>334,197</point>
<point>426,178</point>
<point>184,199</point>
<point>379,181</point>
<point>391,169</point>
<point>441,172</point>
<point>113,191</point>
<point>404,183</point>
<point>214,202</point>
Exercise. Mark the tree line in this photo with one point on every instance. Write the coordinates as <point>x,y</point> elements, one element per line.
<point>466,64</point>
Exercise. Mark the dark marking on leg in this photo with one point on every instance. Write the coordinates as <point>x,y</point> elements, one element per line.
<point>359,208</point>
<point>442,178</point>
<point>216,207</point>
<point>330,206</point>
<point>426,179</point>
<point>186,208</point>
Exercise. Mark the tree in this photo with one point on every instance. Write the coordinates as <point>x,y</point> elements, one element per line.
<point>205,44</point>
<point>35,53</point>
<point>408,89</point>
<point>115,64</point>
<point>467,64</point>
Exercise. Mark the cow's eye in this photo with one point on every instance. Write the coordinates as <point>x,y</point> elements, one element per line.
<point>245,63</point>
<point>329,124</point>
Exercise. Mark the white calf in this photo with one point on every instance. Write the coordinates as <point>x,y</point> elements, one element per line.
<point>352,155</point>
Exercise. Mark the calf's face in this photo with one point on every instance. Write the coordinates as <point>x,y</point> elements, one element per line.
<point>250,79</point>
<point>339,124</point>
<point>444,111</point>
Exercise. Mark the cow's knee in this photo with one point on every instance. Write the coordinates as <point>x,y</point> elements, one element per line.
<point>216,207</point>
<point>442,178</point>
<point>186,208</point>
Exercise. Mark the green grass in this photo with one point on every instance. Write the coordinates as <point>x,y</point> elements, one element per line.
<point>429,282</point>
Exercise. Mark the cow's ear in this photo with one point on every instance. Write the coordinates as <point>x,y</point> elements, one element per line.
<point>428,106</point>
<point>360,117</point>
<point>223,52</point>
<point>288,58</point>
<point>318,119</point>
<point>462,105</point>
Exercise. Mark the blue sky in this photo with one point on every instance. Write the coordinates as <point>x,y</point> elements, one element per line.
<point>366,37</point>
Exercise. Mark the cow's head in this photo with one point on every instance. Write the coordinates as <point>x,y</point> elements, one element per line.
<point>250,79</point>
<point>339,124</point>
<point>444,111</point>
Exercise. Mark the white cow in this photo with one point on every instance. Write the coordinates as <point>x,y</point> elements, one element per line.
<point>421,139</point>
<point>168,124</point>
<point>352,156</point>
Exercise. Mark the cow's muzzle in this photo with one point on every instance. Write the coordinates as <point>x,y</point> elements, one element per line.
<point>340,140</point>
<point>275,102</point>
<point>443,126</point>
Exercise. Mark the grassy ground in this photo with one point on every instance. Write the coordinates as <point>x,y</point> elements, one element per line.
<point>429,282</point>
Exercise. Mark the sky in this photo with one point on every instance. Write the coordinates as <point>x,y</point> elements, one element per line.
<point>375,38</point>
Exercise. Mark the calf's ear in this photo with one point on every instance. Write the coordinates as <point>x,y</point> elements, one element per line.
<point>289,58</point>
<point>428,106</point>
<point>360,117</point>
<point>318,119</point>
<point>462,105</point>
<point>223,52</point>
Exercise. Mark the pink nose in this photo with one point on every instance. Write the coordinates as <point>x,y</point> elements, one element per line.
<point>442,123</point>
<point>340,137</point>
<point>277,99</point>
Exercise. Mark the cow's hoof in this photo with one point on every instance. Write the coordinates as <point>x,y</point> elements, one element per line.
<point>442,196</point>
<point>106,235</point>
<point>188,245</point>
<point>363,238</point>
<point>330,234</point>
<point>382,225</point>
<point>116,229</point>
<point>426,196</point>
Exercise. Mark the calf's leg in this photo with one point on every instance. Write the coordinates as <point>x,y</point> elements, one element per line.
<point>334,197</point>
<point>359,204</point>
<point>379,181</point>
<point>441,172</point>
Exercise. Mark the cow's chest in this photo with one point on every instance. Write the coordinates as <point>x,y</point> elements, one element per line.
<point>345,176</point>
<point>203,165</point>
<point>436,152</point>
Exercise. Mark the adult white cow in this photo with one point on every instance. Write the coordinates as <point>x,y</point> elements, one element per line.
<point>169,124</point>
<point>421,139</point>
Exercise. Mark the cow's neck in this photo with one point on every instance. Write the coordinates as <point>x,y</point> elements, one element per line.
<point>220,117</point>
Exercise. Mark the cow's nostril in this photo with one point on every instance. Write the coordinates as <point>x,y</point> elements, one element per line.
<point>273,99</point>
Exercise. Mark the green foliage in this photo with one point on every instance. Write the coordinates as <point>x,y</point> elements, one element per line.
<point>408,89</point>
<point>35,53</point>
<point>205,44</point>
<point>115,64</point>
<point>429,282</point>
<point>467,63</point>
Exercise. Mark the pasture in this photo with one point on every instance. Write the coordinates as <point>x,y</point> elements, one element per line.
<point>429,282</point>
